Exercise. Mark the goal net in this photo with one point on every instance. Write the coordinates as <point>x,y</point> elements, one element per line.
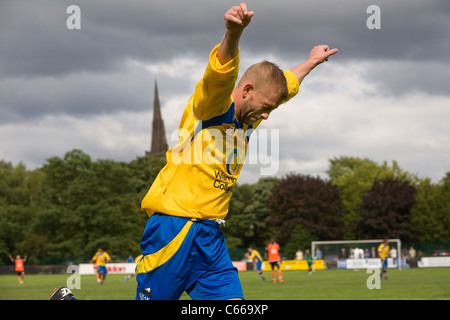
<point>357,254</point>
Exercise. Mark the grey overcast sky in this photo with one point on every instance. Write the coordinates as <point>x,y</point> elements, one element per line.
<point>385,96</point>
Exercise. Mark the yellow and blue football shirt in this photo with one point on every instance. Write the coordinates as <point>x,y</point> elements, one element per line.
<point>383,250</point>
<point>255,256</point>
<point>202,169</point>
<point>101,258</point>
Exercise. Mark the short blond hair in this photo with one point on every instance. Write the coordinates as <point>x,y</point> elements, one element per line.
<point>266,75</point>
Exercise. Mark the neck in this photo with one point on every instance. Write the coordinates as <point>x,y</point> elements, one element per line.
<point>237,109</point>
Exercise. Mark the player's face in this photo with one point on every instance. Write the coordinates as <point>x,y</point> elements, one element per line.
<point>257,106</point>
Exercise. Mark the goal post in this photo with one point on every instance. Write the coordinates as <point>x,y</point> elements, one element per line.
<point>331,250</point>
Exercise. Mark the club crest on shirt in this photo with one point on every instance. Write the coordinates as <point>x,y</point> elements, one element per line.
<point>231,130</point>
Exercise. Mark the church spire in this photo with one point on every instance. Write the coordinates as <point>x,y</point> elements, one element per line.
<point>159,143</point>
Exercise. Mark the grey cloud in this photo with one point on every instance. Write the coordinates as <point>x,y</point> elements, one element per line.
<point>399,78</point>
<point>81,94</point>
<point>37,41</point>
<point>409,29</point>
<point>47,69</point>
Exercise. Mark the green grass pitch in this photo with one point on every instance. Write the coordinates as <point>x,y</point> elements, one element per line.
<point>406,284</point>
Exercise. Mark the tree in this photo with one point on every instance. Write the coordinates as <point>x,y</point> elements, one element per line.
<point>355,177</point>
<point>235,219</point>
<point>91,204</point>
<point>385,210</point>
<point>258,212</point>
<point>300,238</point>
<point>73,205</point>
<point>249,211</point>
<point>144,170</point>
<point>20,193</point>
<point>430,214</point>
<point>309,201</point>
<point>60,174</point>
<point>443,210</point>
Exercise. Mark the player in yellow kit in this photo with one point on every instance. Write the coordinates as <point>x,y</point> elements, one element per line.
<point>254,255</point>
<point>101,258</point>
<point>383,254</point>
<point>183,246</point>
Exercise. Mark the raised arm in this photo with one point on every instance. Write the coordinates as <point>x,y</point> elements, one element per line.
<point>236,19</point>
<point>317,55</point>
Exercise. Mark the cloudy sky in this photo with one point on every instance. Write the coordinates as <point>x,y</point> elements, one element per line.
<point>385,96</point>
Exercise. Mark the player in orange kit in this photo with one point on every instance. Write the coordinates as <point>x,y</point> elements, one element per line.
<point>19,267</point>
<point>273,254</point>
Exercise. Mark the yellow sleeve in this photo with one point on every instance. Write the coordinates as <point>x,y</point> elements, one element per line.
<point>212,94</point>
<point>292,83</point>
<point>252,255</point>
<point>383,251</point>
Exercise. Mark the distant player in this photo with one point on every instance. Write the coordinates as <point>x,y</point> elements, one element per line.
<point>19,267</point>
<point>254,255</point>
<point>100,259</point>
<point>273,254</point>
<point>309,260</point>
<point>383,254</point>
<point>137,260</point>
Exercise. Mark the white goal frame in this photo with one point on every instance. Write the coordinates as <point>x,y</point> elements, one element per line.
<point>315,244</point>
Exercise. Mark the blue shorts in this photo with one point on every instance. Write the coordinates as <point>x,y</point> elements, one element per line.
<point>183,254</point>
<point>102,269</point>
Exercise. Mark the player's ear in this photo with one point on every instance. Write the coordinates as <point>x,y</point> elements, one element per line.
<point>247,90</point>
